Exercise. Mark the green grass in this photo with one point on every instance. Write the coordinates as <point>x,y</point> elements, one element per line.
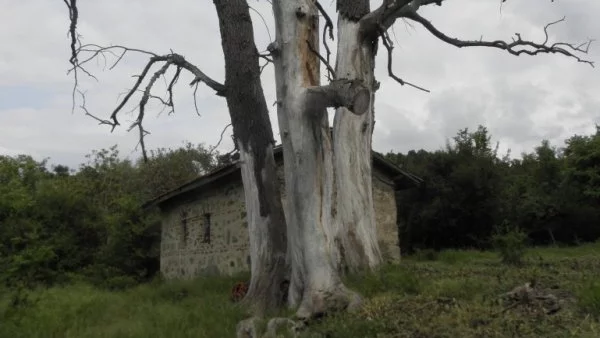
<point>446,294</point>
<point>199,308</point>
<point>457,294</point>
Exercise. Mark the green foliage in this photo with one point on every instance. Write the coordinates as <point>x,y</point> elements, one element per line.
<point>551,194</point>
<point>88,224</point>
<point>510,242</point>
<point>170,168</point>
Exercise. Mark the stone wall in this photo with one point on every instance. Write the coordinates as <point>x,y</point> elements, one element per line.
<point>183,251</point>
<point>384,203</point>
<point>184,254</point>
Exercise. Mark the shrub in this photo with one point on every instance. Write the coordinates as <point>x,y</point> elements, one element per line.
<point>510,242</point>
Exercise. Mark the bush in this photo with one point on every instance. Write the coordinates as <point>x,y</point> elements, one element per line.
<point>511,243</point>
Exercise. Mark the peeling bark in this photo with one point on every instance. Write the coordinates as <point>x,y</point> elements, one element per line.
<point>316,286</point>
<point>356,238</point>
<point>254,138</point>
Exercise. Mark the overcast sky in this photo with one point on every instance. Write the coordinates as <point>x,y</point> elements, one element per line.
<point>522,100</point>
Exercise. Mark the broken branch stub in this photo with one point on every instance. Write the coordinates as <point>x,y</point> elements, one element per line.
<point>351,94</point>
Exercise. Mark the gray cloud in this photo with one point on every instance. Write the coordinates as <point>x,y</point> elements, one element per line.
<point>521,100</point>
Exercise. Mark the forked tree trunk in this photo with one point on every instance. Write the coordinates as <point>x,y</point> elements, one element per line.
<point>254,138</point>
<point>316,286</point>
<point>356,237</point>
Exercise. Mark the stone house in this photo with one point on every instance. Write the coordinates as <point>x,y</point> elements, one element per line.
<point>204,227</point>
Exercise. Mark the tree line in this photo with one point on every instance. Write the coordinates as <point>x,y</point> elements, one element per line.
<point>59,224</point>
<point>470,193</point>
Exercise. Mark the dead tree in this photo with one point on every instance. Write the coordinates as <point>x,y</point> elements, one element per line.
<point>251,126</point>
<point>359,29</point>
<point>330,216</point>
<point>329,212</point>
<point>316,285</point>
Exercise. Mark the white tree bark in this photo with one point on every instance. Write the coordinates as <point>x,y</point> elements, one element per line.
<point>356,236</point>
<point>315,286</point>
<point>254,138</point>
<point>268,265</point>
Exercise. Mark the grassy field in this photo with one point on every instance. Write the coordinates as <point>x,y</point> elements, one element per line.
<point>447,294</point>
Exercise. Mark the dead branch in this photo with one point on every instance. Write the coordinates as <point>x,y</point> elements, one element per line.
<point>171,103</point>
<point>73,18</point>
<point>387,42</point>
<point>331,73</point>
<point>264,22</point>
<point>517,47</point>
<point>530,296</point>
<point>168,60</point>
<point>97,51</point>
<point>389,11</point>
<point>196,99</point>
<point>384,16</point>
<point>220,139</point>
<point>143,102</point>
<point>327,28</point>
<point>267,58</point>
<point>84,108</point>
<point>262,67</point>
<point>93,52</point>
<point>173,58</point>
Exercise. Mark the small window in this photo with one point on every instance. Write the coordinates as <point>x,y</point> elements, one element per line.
<point>206,238</point>
<point>184,227</point>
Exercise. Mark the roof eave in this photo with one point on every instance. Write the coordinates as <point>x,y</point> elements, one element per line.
<point>397,174</point>
<point>192,185</point>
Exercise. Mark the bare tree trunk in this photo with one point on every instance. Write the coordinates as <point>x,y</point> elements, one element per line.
<point>315,283</point>
<point>356,236</point>
<point>254,138</point>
